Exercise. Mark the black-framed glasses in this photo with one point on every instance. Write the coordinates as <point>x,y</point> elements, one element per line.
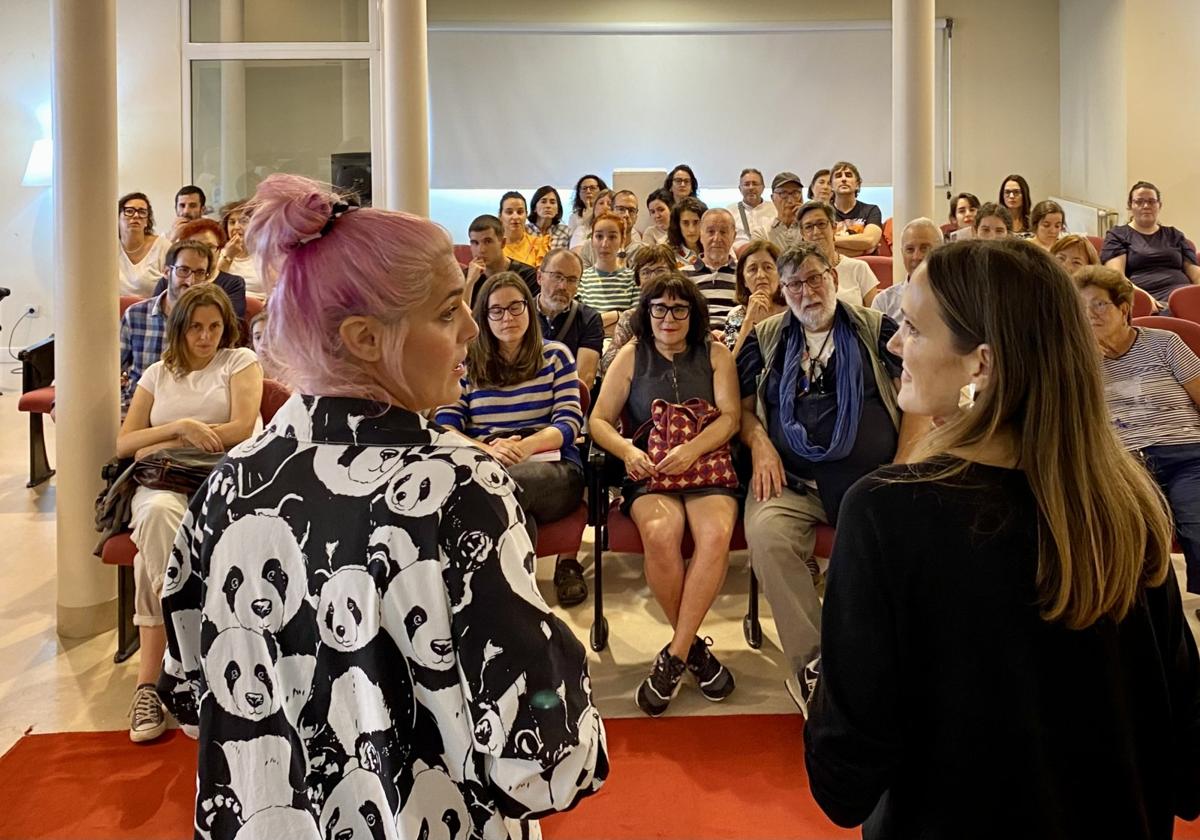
<point>796,285</point>
<point>515,309</point>
<point>679,311</point>
<point>815,227</point>
<point>682,181</point>
<point>185,273</point>
<point>135,212</point>
<point>1012,193</point>
<point>1144,202</point>
<point>559,277</point>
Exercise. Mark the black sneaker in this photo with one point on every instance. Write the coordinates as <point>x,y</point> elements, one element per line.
<point>712,678</point>
<point>656,691</point>
<point>802,686</point>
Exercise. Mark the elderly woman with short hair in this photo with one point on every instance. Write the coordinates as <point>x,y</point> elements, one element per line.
<point>758,292</point>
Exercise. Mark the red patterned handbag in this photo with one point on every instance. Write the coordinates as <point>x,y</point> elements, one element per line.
<point>671,424</point>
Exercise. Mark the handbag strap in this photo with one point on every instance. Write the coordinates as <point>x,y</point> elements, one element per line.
<point>745,222</point>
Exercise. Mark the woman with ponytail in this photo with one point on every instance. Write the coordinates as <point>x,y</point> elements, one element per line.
<point>351,621</point>
<point>1004,652</point>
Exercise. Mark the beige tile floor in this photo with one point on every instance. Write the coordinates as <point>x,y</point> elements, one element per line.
<point>48,684</point>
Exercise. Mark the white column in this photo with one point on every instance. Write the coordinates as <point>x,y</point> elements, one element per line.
<point>84,89</point>
<point>912,115</point>
<point>233,182</point>
<point>405,106</point>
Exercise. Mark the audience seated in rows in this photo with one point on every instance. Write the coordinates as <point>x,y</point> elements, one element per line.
<point>658,204</point>
<point>546,219</point>
<point>1157,258</point>
<point>203,393</point>
<point>486,235</point>
<point>820,188</point>
<point>714,273</point>
<point>519,243</point>
<point>818,385</point>
<point>190,203</point>
<point>601,206</point>
<point>752,215</point>
<point>607,286</point>
<point>586,190</point>
<point>859,225</point>
<point>235,258</point>
<point>1152,387</point>
<point>681,182</point>
<point>993,221</point>
<point>650,263</point>
<point>564,318</point>
<point>1046,220</point>
<point>141,250</point>
<point>1074,252</point>
<point>856,283</point>
<point>963,208</point>
<point>673,358</point>
<point>144,324</point>
<point>520,403</point>
<point>211,234</point>
<point>919,237</point>
<point>758,292</point>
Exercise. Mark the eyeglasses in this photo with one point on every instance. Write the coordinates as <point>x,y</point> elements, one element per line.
<point>1144,202</point>
<point>1012,193</point>
<point>679,312</point>
<point>135,213</point>
<point>682,181</point>
<point>625,210</point>
<point>653,272</point>
<point>815,227</point>
<point>1098,306</point>
<point>558,277</point>
<point>183,272</point>
<point>789,195</point>
<point>515,309</point>
<point>797,285</point>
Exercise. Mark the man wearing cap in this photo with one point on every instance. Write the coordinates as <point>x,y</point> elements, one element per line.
<point>787,194</point>
<point>752,216</point>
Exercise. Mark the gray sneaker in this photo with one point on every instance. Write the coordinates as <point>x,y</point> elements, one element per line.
<point>147,718</point>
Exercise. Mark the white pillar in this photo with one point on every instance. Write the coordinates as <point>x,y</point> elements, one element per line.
<point>405,106</point>
<point>84,89</point>
<point>912,115</point>
<point>234,184</point>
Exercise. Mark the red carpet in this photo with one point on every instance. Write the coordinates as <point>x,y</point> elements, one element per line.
<point>713,777</point>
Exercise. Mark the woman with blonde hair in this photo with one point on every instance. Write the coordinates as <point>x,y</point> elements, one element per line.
<point>1074,252</point>
<point>1002,630</point>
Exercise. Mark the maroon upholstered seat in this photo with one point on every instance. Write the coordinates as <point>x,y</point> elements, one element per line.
<point>39,400</point>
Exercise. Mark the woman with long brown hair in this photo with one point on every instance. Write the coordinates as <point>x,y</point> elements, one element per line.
<point>1003,637</point>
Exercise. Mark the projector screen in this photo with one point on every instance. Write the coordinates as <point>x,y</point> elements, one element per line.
<point>521,105</point>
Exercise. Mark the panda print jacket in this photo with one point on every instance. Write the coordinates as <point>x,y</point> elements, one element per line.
<point>353,624</point>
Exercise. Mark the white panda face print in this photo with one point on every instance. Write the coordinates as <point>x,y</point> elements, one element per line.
<point>258,772</point>
<point>434,808</point>
<point>295,674</point>
<point>356,706</point>
<point>415,616</point>
<point>421,488</point>
<point>348,609</point>
<point>179,569</point>
<point>391,548</point>
<point>355,470</point>
<point>490,475</point>
<point>257,575</point>
<point>358,810</point>
<point>291,823</point>
<point>494,724</point>
<point>240,674</point>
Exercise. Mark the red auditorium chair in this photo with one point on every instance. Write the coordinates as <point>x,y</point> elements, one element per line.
<point>462,253</point>
<point>1097,243</point>
<point>614,531</point>
<point>119,550</point>
<point>882,266</point>
<point>1189,331</point>
<point>253,307</point>
<point>884,248</point>
<point>1185,303</point>
<point>1143,304</point>
<point>37,397</point>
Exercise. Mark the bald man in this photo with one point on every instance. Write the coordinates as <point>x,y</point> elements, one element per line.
<point>919,237</point>
<point>716,272</point>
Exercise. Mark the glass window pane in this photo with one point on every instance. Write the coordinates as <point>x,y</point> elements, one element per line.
<point>257,21</point>
<point>251,118</point>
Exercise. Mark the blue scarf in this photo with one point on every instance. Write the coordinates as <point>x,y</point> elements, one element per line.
<point>849,383</point>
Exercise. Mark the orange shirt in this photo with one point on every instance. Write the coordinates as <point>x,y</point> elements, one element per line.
<point>529,250</point>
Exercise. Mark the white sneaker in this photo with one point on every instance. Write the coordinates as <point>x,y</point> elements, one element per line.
<point>147,718</point>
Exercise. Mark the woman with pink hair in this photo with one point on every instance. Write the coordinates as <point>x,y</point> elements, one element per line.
<point>353,624</point>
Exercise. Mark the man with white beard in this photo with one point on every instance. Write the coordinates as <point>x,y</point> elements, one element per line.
<point>819,412</point>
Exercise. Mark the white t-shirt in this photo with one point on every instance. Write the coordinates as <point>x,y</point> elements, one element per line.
<point>759,218</point>
<point>855,280</point>
<point>245,268</point>
<point>140,279</point>
<point>202,395</point>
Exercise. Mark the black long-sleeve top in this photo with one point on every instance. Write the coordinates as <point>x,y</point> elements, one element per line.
<point>947,707</point>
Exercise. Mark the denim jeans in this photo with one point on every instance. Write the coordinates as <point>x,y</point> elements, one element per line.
<point>1177,471</point>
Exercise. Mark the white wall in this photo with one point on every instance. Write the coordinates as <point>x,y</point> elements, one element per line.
<point>149,140</point>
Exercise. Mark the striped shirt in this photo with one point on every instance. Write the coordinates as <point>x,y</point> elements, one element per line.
<point>606,291</point>
<point>549,399</point>
<point>719,289</point>
<point>1145,394</point>
<point>143,335</point>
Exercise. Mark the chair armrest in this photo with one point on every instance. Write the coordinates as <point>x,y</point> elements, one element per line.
<point>37,365</point>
